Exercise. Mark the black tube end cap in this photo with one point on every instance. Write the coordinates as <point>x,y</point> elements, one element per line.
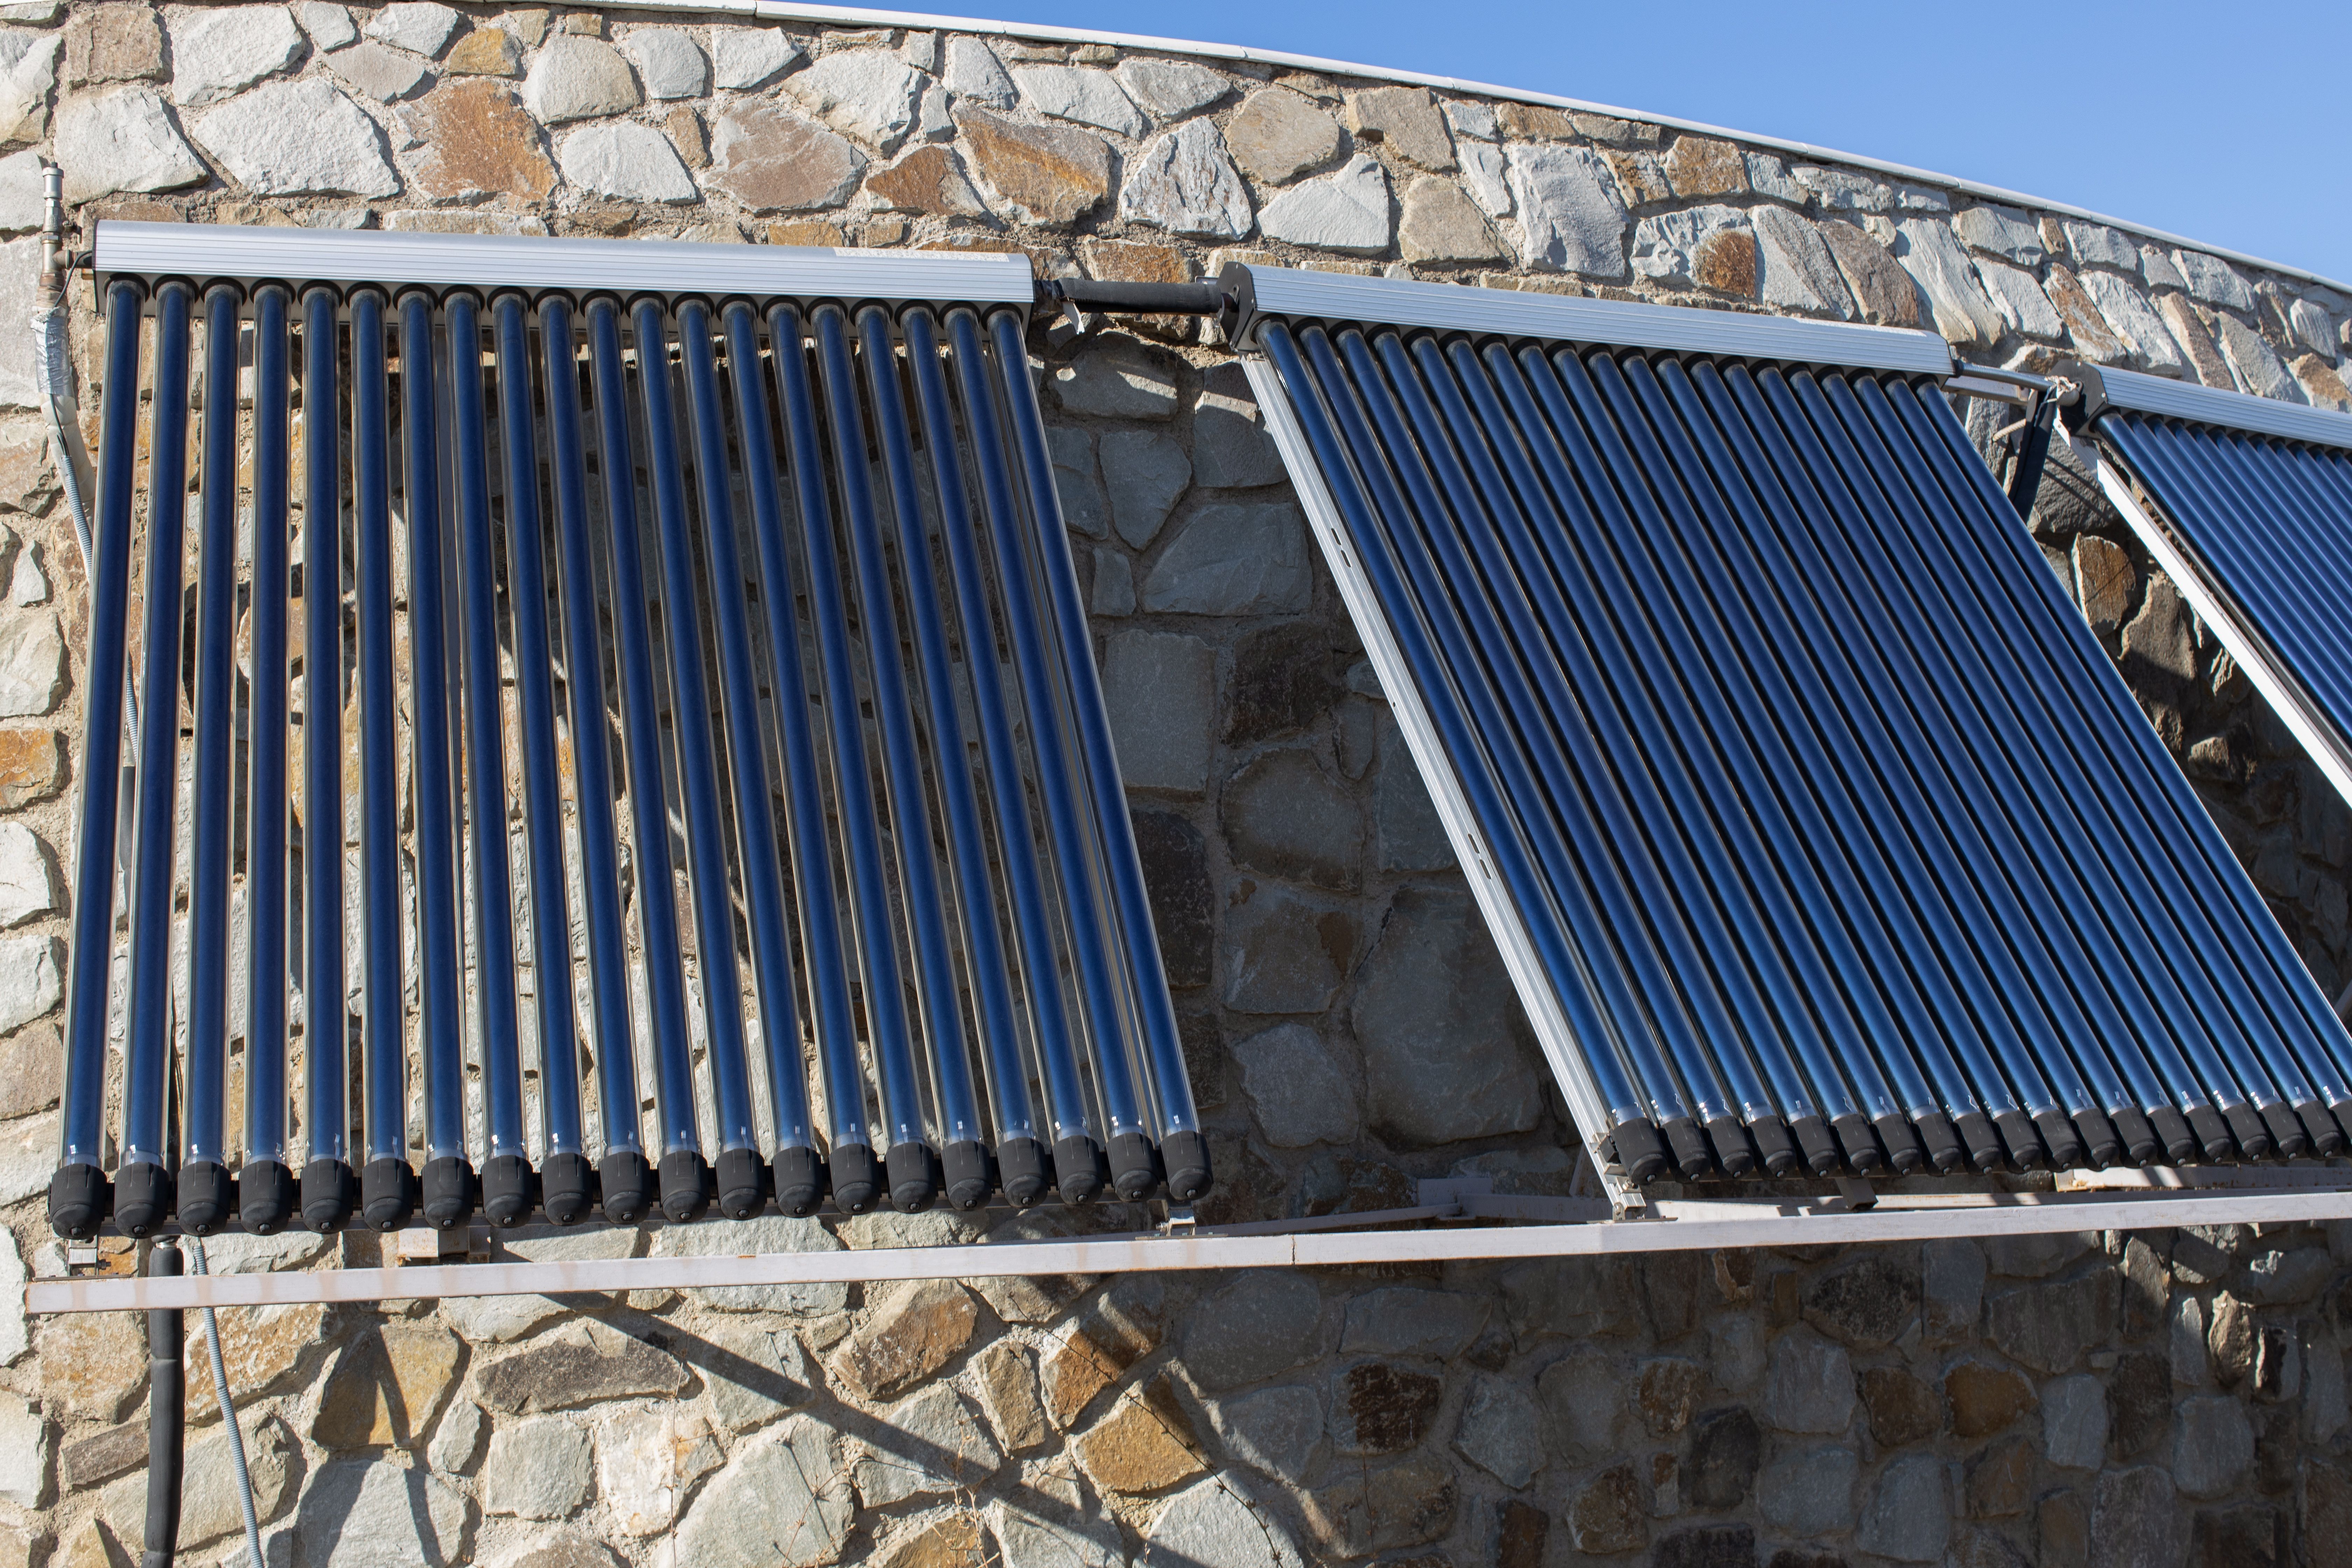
<point>2326,1138</point>
<point>448,1191</point>
<point>207,1197</point>
<point>1773,1145</point>
<point>2288,1138</point>
<point>1897,1136</point>
<point>1941,1140</point>
<point>1021,1170</point>
<point>567,1188</point>
<point>800,1179</point>
<point>2174,1132</point>
<point>913,1172</point>
<point>2059,1138</point>
<point>1983,1143</point>
<point>387,1193</point>
<point>142,1198</point>
<point>1639,1149</point>
<point>856,1178</point>
<point>1693,1158</point>
<point>1813,1139</point>
<point>2102,1144</point>
<point>1134,1173</point>
<point>1184,1157</point>
<point>265,1197</point>
<point>2212,1134</point>
<point>80,1200</point>
<point>625,1186</point>
<point>2137,1137</point>
<point>742,1181</point>
<point>1729,1142</point>
<point>2024,1145</point>
<point>506,1189</point>
<point>329,1194</point>
<point>969,1174</point>
<point>1860,1145</point>
<point>1079,1170</point>
<point>685,1186</point>
<point>2253,1138</point>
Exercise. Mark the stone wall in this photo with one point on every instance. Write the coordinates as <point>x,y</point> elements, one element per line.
<point>2079,1400</point>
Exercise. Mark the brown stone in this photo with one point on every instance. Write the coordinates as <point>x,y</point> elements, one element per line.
<point>771,160</point>
<point>1998,1479</point>
<point>1725,263</point>
<point>114,43</point>
<point>1612,132</point>
<point>951,1543</point>
<point>806,231</point>
<point>1145,1445</point>
<point>32,768</point>
<point>2159,659</point>
<point>1985,1398</point>
<point>28,480</point>
<point>2093,338</point>
<point>91,1547</point>
<point>2063,1530</point>
<point>907,1337</point>
<point>1277,135</point>
<point>583,1363</point>
<point>90,1460</point>
<point>2109,585</point>
<point>32,1066</point>
<point>926,180</point>
<point>1902,1409</point>
<point>1885,292</point>
<point>1075,1372</point>
<point>1031,1298</point>
<point>2188,331</point>
<point>1533,122</point>
<point>2320,380</point>
<point>486,51</point>
<point>1008,1387</point>
<point>479,139</point>
<point>1703,166</point>
<point>1519,1541</point>
<point>1047,174</point>
<point>92,1364</point>
<point>1135,261</point>
<point>685,128</point>
<point>1384,1408</point>
<point>1665,1392</point>
<point>1442,226</point>
<point>1607,1514</point>
<point>1406,119</point>
<point>2251,1537</point>
<point>387,1386</point>
<point>1641,176</point>
<point>1364,1511</point>
<point>260,1347</point>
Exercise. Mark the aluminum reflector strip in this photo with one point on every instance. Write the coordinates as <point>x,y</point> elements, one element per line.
<point>666,773</point>
<point>1818,832</point>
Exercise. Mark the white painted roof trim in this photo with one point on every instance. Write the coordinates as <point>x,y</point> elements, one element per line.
<point>863,16</point>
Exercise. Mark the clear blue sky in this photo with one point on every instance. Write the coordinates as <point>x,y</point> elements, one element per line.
<point>2228,123</point>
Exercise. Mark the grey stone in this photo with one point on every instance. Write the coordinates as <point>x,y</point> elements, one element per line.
<point>1498,1431</point>
<point>772,1233</point>
<point>2136,1521</point>
<point>329,26</point>
<point>1147,471</point>
<point>751,1374</point>
<point>1868,1303</point>
<point>2312,327</point>
<point>1212,1521</point>
<point>387,75</point>
<point>1441,226</point>
<point>580,1364</point>
<point>2002,231</point>
<point>2135,323</point>
<point>2212,1444</point>
<point>1077,481</point>
<point>1809,1384</point>
<point>1233,560</point>
<point>1719,1466</point>
<point>16,1333</point>
<point>2074,1422</point>
<point>1284,954</point>
<point>1276,1430</point>
<point>1737,1345</point>
<point>1117,378</point>
<point>746,57</point>
<point>1231,449</point>
<point>1409,1320</point>
<point>1937,261</point>
<point>2036,1256</point>
<point>374,1514</point>
<point>1581,1397</point>
<point>2279,1278</point>
<point>1666,247</point>
<point>1082,94</point>
<point>28,69</point>
<point>1809,1492</point>
<point>496,1320</point>
<point>1484,176</point>
<point>122,141</point>
<point>2214,280</point>
<point>1299,1095</point>
<point>574,77</point>
<point>1025,1540</point>
<point>1277,135</point>
<point>1264,1323</point>
<point>28,886</point>
<point>1909,1517</point>
<point>1440,1028</point>
<point>26,1444</point>
<point>1770,176</point>
<point>864,93</point>
<point>2326,1410</point>
<point>1405,121</point>
<point>1113,590</point>
<point>555,1549</point>
<point>632,162</point>
<point>537,1469</point>
<point>2158,270</point>
<point>1161,690</point>
<point>974,73</point>
<point>299,138</point>
<point>457,1440</point>
<point>2254,362</point>
<point>215,53</point>
<point>2199,1256</point>
<point>1184,183</point>
<point>29,986</point>
<point>29,1148</point>
<point>925,1446</point>
<point>2095,245</point>
<point>1284,815</point>
<point>420,26</point>
<point>1170,89</point>
<point>1846,190</point>
<point>1474,120</point>
<point>1175,856</point>
<point>2186,1336</point>
<point>1408,833</point>
<point>1347,211</point>
<point>668,61</point>
<point>1794,267</point>
<point>2051,1327</point>
<point>2020,300</point>
<point>783,1499</point>
<point>1571,215</point>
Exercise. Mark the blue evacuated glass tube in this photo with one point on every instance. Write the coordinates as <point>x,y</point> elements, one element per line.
<point>266,794</point>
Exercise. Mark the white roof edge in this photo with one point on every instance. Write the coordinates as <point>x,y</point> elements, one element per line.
<point>858,16</point>
<point>204,251</point>
<point>2139,392</point>
<point>1510,312</point>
